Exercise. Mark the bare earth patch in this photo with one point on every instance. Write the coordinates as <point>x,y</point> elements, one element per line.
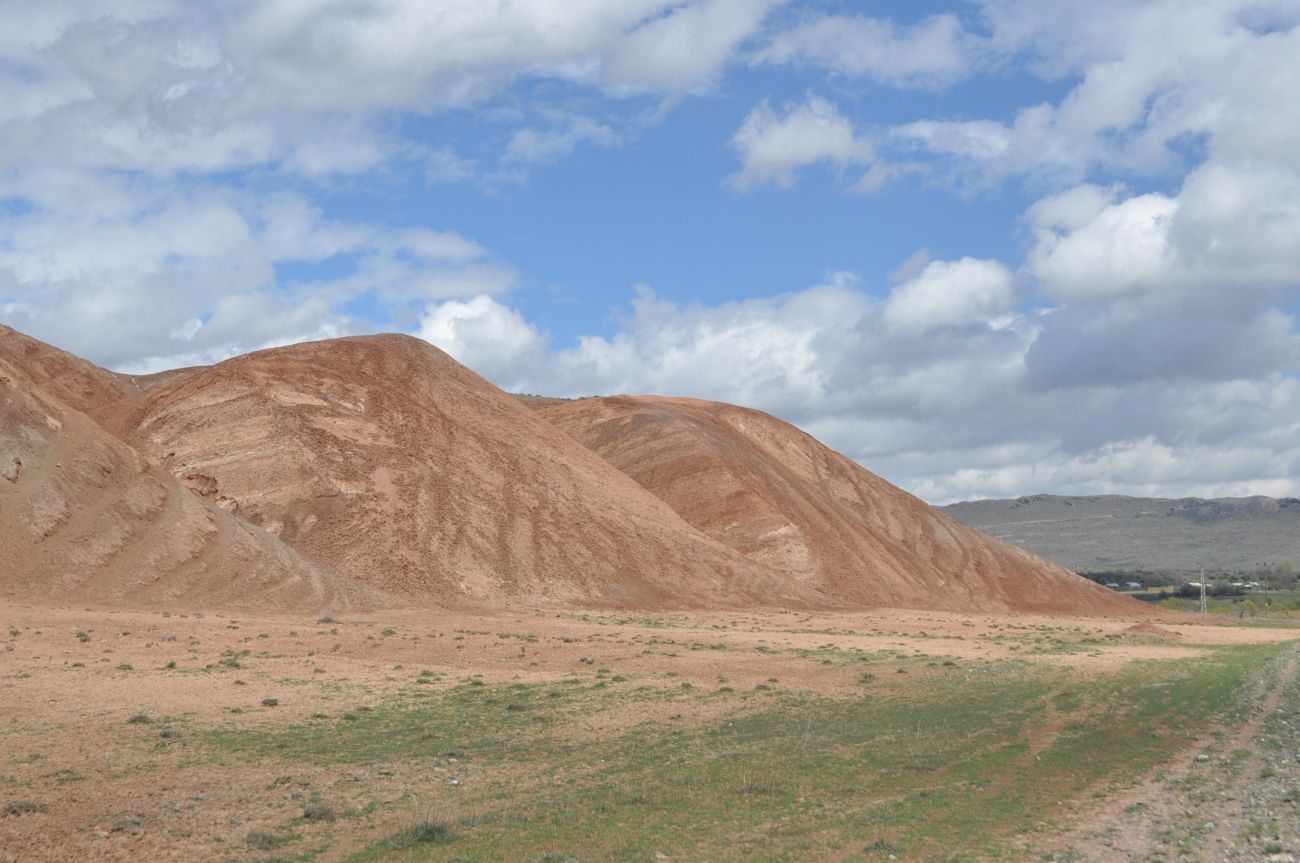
<point>107,716</point>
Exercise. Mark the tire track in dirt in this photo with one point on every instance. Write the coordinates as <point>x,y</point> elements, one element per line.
<point>1146,821</point>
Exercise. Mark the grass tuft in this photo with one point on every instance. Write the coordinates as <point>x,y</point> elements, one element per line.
<point>318,811</point>
<point>434,826</point>
<point>23,807</point>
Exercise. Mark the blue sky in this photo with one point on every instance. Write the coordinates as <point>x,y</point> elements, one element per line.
<point>986,248</point>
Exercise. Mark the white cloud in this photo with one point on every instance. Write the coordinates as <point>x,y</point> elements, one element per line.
<point>950,293</point>
<point>1155,81</point>
<point>1230,228</point>
<point>171,87</point>
<point>485,335</point>
<point>934,52</point>
<point>548,145</point>
<point>125,280</point>
<point>330,56</point>
<point>444,165</point>
<point>774,146</point>
<point>684,49</point>
<point>1122,250</point>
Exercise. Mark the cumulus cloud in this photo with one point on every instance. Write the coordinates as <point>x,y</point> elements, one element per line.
<point>1145,98</point>
<point>1231,227</point>
<point>485,335</point>
<point>166,87</point>
<point>1156,286</point>
<point>948,294</point>
<point>1122,249</point>
<point>773,146</point>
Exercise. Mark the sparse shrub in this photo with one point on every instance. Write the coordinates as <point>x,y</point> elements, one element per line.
<point>270,702</point>
<point>125,666</point>
<point>170,666</point>
<point>139,719</point>
<point>264,840</point>
<point>318,811</point>
<point>83,636</point>
<point>23,807</point>
<point>326,617</point>
<point>388,632</point>
<point>433,826</point>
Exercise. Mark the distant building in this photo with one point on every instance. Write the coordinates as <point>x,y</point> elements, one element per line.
<point>1112,585</point>
<point>1134,585</point>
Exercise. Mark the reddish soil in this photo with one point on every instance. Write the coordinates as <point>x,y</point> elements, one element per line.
<point>781,498</point>
<point>385,459</point>
<point>85,516</point>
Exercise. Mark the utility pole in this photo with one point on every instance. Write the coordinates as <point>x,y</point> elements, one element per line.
<point>1204,608</point>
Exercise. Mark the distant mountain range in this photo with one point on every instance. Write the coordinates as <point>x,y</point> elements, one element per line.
<point>1136,534</point>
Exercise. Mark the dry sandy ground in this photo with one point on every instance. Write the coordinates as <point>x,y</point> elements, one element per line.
<point>70,678</point>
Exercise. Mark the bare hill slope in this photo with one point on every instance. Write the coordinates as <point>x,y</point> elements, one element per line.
<point>780,497</point>
<point>84,516</point>
<point>383,457</point>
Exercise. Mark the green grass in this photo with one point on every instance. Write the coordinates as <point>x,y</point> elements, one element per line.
<point>952,767</point>
<point>1283,605</point>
